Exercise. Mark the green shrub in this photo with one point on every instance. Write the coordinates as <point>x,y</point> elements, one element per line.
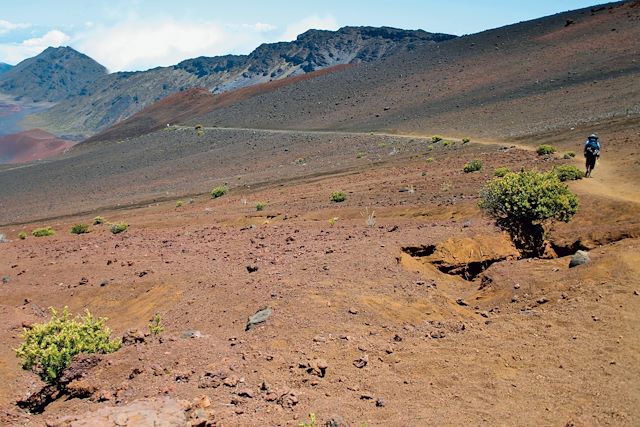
<point>43,231</point>
<point>473,166</point>
<point>522,202</point>
<point>99,220</point>
<point>260,206</point>
<point>119,227</point>
<point>22,235</point>
<point>569,155</point>
<point>155,325</point>
<point>219,191</point>
<point>80,229</point>
<point>568,173</point>
<point>466,140</point>
<point>200,133</point>
<point>49,347</point>
<point>446,143</point>
<point>338,196</point>
<point>501,171</point>
<point>436,138</point>
<point>429,159</point>
<point>199,127</point>
<point>545,150</point>
<point>312,421</point>
<point>179,203</point>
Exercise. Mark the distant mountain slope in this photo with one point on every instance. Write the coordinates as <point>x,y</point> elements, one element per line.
<point>31,145</point>
<point>120,95</point>
<point>549,73</point>
<point>4,67</point>
<point>53,75</point>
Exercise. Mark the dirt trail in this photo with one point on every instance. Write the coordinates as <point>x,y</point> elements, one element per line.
<point>606,181</point>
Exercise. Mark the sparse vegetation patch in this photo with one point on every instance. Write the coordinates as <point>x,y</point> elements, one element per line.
<point>219,191</point>
<point>119,227</point>
<point>568,173</point>
<point>80,229</point>
<point>501,171</point>
<point>99,220</point>
<point>49,347</point>
<point>338,196</point>
<point>43,232</point>
<point>545,150</point>
<point>473,166</point>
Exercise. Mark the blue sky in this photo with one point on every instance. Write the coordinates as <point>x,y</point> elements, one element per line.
<point>140,34</point>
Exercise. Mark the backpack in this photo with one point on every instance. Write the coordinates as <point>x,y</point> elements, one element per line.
<point>592,147</point>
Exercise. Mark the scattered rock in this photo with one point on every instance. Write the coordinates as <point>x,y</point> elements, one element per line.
<point>461,302</point>
<point>361,362</point>
<point>380,402</point>
<point>261,316</point>
<point>335,421</point>
<point>212,379</point>
<point>230,381</point>
<point>252,268</point>
<point>353,310</point>
<point>542,300</point>
<point>192,334</point>
<point>245,392</point>
<point>579,258</point>
<point>133,336</point>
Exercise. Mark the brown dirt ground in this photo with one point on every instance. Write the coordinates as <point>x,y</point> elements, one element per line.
<point>536,344</point>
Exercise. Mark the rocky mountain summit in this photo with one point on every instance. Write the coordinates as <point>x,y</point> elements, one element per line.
<point>90,101</point>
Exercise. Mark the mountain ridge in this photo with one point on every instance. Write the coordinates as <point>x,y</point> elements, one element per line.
<point>114,97</point>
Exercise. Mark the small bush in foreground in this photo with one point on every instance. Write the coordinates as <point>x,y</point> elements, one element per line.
<point>22,235</point>
<point>260,206</point>
<point>523,202</point>
<point>338,196</point>
<point>155,325</point>
<point>568,173</point>
<point>119,227</point>
<point>80,229</point>
<point>436,138</point>
<point>569,155</point>
<point>49,347</point>
<point>219,191</point>
<point>501,171</point>
<point>545,150</point>
<point>43,232</point>
<point>99,220</point>
<point>473,166</point>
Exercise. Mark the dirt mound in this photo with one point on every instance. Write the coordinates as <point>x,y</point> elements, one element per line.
<point>31,145</point>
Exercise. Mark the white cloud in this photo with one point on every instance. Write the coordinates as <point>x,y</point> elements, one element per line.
<point>16,52</point>
<point>260,27</point>
<point>136,45</point>
<point>6,26</point>
<point>313,22</point>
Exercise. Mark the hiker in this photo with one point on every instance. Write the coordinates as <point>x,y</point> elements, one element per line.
<point>591,153</point>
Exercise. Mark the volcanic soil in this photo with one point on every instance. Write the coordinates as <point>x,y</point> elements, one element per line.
<point>400,341</point>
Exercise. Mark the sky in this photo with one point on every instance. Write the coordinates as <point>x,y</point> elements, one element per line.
<point>140,34</point>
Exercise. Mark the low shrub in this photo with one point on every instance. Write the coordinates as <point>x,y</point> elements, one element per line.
<point>260,206</point>
<point>466,140</point>
<point>199,127</point>
<point>446,143</point>
<point>473,166</point>
<point>22,235</point>
<point>155,325</point>
<point>99,220</point>
<point>569,155</point>
<point>219,191</point>
<point>200,133</point>
<point>568,173</point>
<point>119,227</point>
<point>545,150</point>
<point>43,232</point>
<point>429,159</point>
<point>523,202</point>
<point>49,347</point>
<point>179,203</point>
<point>80,229</point>
<point>501,171</point>
<point>436,138</point>
<point>338,196</point>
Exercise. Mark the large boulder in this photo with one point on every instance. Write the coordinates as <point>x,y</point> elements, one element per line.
<point>579,258</point>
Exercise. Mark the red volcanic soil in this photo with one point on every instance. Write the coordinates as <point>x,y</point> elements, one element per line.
<point>193,103</point>
<point>31,145</point>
